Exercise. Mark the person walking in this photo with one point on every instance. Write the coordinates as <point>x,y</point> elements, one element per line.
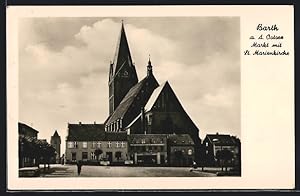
<point>194,166</point>
<point>79,165</point>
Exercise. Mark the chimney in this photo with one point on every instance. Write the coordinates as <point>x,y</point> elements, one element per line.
<point>79,122</point>
<point>94,122</point>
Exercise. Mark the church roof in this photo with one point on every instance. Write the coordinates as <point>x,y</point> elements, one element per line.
<point>127,101</point>
<point>154,97</point>
<point>135,120</point>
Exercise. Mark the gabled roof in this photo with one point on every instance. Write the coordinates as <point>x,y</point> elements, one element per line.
<point>154,97</point>
<point>221,139</point>
<point>180,139</point>
<point>23,126</point>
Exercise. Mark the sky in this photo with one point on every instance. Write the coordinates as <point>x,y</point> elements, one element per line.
<point>64,66</point>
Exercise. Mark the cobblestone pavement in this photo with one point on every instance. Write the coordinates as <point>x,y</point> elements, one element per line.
<point>125,171</point>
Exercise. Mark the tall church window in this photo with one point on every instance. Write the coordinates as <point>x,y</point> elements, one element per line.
<point>150,119</point>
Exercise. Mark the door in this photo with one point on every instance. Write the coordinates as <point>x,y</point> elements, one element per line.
<point>109,156</point>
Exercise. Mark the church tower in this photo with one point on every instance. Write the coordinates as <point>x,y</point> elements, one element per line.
<point>122,73</point>
<point>55,142</point>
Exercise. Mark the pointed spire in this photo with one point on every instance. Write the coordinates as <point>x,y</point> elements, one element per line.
<point>55,134</point>
<point>149,67</point>
<point>122,54</point>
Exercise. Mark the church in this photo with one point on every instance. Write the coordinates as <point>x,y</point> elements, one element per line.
<point>145,106</point>
<point>158,129</point>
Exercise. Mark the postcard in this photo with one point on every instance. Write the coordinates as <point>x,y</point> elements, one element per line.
<point>150,97</point>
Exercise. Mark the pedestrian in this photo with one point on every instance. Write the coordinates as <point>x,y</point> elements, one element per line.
<point>63,159</point>
<point>79,165</point>
<point>194,166</point>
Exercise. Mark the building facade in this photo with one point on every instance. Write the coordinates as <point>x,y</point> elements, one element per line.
<point>215,143</point>
<point>27,134</point>
<point>84,139</point>
<point>181,150</point>
<point>148,149</point>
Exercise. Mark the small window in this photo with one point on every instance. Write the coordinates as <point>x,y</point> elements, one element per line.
<point>117,144</point>
<point>122,144</point>
<point>190,152</point>
<point>70,144</point>
<point>206,144</point>
<point>93,156</point>
<point>94,144</point>
<point>75,145</point>
<point>143,141</point>
<point>109,145</point>
<point>84,144</point>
